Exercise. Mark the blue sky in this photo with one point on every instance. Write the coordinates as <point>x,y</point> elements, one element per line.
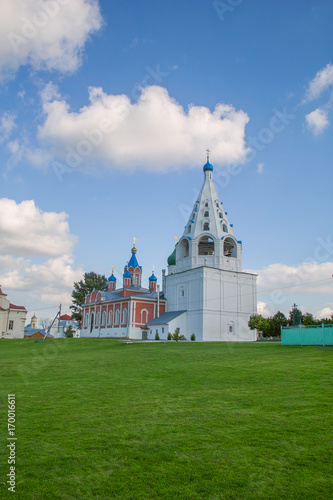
<point>106,109</point>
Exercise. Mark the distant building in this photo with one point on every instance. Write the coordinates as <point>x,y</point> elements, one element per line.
<point>12,318</point>
<point>57,330</point>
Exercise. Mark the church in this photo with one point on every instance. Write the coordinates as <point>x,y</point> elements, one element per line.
<point>205,294</point>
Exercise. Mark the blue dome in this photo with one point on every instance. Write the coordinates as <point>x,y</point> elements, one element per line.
<point>127,274</point>
<point>153,277</point>
<point>112,278</point>
<point>208,166</point>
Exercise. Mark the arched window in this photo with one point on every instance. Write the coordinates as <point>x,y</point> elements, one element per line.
<point>231,327</point>
<point>117,317</point>
<point>206,226</point>
<point>220,215</point>
<point>225,229</point>
<point>103,318</point>
<point>144,316</point>
<point>206,246</point>
<point>229,248</point>
<point>124,316</point>
<point>92,322</point>
<point>184,249</point>
<point>189,228</point>
<point>206,214</point>
<point>206,204</point>
<point>98,318</point>
<point>110,317</point>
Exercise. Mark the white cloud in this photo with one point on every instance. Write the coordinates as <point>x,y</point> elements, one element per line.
<point>36,260</point>
<point>326,312</point>
<point>311,278</point>
<point>7,125</point>
<point>156,133</point>
<point>321,82</point>
<point>263,309</point>
<point>25,230</point>
<point>260,168</point>
<point>317,121</point>
<point>48,34</point>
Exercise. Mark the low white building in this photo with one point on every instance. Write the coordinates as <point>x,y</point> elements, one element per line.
<point>12,318</point>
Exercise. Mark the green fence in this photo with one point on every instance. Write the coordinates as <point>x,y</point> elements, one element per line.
<point>307,335</point>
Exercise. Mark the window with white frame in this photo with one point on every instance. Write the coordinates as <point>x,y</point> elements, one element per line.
<point>103,318</point>
<point>110,317</point>
<point>11,324</point>
<point>124,316</point>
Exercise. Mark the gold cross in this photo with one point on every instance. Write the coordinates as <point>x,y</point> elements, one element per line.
<point>153,269</point>
<point>176,240</point>
<point>207,151</point>
<point>134,240</point>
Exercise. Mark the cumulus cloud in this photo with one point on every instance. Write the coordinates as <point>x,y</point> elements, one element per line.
<point>36,259</point>
<point>155,133</point>
<point>317,121</point>
<point>263,309</point>
<point>25,230</point>
<point>320,83</point>
<point>326,312</point>
<point>48,35</point>
<point>310,278</point>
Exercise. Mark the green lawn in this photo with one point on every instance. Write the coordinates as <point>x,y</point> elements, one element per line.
<point>106,420</point>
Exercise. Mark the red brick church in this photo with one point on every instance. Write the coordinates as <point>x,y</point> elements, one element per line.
<point>125,311</point>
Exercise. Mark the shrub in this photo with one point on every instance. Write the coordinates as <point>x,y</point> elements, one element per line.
<point>157,337</point>
<point>169,336</point>
<point>192,337</point>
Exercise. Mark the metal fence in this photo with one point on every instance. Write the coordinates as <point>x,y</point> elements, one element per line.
<point>307,335</point>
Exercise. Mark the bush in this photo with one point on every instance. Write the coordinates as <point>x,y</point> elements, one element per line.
<point>192,337</point>
<point>157,337</point>
<point>169,336</point>
<point>177,337</point>
<point>69,333</point>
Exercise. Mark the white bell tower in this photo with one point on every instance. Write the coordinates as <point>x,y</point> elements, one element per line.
<point>205,276</point>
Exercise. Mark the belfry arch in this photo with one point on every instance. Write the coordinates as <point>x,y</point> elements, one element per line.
<point>206,246</point>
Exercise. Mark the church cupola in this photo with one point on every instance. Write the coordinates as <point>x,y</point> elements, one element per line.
<point>33,323</point>
<point>134,268</point>
<point>127,278</point>
<point>152,282</point>
<point>112,282</point>
<point>172,260</point>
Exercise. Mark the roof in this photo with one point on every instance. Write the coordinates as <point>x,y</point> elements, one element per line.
<point>153,277</point>
<point>133,262</point>
<point>166,318</point>
<point>1,292</point>
<point>66,317</point>
<point>172,258</point>
<point>13,306</point>
<point>208,166</point>
<point>127,274</point>
<point>112,278</point>
<point>36,330</point>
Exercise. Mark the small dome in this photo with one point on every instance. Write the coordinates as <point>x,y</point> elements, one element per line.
<point>172,258</point>
<point>112,278</point>
<point>208,166</point>
<point>127,274</point>
<point>153,277</point>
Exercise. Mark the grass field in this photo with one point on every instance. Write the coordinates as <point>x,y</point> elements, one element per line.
<point>106,420</point>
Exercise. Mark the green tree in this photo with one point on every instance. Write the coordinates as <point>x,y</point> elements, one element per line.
<point>157,337</point>
<point>176,335</point>
<point>256,321</point>
<point>295,316</point>
<point>308,319</point>
<point>90,282</point>
<point>69,333</point>
<point>169,336</point>
<point>278,320</point>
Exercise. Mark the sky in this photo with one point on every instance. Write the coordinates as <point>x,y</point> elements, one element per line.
<point>106,110</point>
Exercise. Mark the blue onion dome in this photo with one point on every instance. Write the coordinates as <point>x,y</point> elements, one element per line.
<point>112,278</point>
<point>127,274</point>
<point>153,277</point>
<point>172,258</point>
<point>208,166</point>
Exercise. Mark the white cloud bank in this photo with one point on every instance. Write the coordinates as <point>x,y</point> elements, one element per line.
<point>48,34</point>
<point>36,254</point>
<point>311,278</point>
<point>155,133</point>
<point>317,121</point>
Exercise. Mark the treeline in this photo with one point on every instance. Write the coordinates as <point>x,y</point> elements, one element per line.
<point>271,327</point>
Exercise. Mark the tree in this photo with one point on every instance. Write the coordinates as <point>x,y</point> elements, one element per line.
<point>308,319</point>
<point>278,320</point>
<point>69,333</point>
<point>157,337</point>
<point>176,335</point>
<point>295,316</point>
<point>45,322</point>
<point>256,321</point>
<point>90,282</point>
